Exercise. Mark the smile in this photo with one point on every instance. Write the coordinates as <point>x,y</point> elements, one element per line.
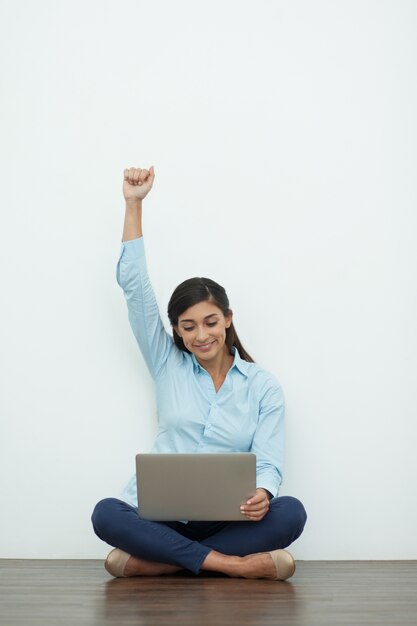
<point>204,346</point>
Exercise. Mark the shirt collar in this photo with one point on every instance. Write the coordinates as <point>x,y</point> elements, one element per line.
<point>238,362</point>
<point>242,366</point>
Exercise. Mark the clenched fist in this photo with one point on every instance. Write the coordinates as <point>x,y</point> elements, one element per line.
<point>137,183</point>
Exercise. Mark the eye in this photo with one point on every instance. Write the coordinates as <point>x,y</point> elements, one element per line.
<point>211,323</point>
<point>188,328</point>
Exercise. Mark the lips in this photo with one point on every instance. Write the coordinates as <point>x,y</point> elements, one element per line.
<point>204,346</point>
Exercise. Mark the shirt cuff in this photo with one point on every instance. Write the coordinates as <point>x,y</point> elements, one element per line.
<point>132,249</point>
<point>268,483</point>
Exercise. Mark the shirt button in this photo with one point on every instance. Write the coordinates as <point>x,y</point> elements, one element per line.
<point>208,426</point>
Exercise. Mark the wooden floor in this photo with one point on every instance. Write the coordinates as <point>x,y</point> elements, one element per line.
<point>351,593</point>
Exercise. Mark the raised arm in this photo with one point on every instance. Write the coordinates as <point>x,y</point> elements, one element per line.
<point>155,343</point>
<point>136,185</point>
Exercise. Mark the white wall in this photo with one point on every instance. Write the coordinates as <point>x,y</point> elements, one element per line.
<point>283,136</point>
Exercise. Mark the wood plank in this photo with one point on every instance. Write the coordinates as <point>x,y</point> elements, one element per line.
<point>336,593</point>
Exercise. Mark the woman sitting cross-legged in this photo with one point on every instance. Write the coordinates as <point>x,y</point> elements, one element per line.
<point>211,397</point>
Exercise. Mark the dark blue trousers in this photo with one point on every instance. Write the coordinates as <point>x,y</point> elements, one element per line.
<point>187,545</point>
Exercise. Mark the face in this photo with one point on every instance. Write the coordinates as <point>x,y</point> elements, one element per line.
<point>202,328</point>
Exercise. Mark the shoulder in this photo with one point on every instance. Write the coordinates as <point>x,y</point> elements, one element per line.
<point>262,381</point>
<point>178,360</point>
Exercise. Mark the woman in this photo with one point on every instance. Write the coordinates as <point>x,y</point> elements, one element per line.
<point>211,397</point>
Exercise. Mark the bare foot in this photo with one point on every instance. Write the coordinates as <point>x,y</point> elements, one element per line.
<point>140,567</point>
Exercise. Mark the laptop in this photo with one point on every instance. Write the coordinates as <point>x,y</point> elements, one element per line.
<point>194,487</point>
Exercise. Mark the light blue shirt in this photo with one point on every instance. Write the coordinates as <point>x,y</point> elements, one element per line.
<point>245,415</point>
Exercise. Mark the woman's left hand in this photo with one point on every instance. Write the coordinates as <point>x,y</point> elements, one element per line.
<point>257,507</point>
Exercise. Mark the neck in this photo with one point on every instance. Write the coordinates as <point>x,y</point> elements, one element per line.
<point>220,365</point>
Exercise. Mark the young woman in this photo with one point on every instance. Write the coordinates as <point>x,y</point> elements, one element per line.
<point>211,397</point>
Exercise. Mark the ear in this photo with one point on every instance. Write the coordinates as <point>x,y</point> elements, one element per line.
<point>229,318</point>
<point>175,329</point>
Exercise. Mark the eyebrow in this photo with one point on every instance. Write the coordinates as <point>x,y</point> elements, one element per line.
<point>206,318</point>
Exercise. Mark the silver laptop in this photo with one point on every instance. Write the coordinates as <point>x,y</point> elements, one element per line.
<point>203,487</point>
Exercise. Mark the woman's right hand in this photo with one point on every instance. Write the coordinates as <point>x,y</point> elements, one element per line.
<point>137,183</point>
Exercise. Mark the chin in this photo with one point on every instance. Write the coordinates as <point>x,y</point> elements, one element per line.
<point>205,356</point>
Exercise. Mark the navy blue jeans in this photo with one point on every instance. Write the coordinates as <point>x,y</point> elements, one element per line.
<point>187,545</point>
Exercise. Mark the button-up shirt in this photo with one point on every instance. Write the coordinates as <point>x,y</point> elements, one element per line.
<point>245,415</point>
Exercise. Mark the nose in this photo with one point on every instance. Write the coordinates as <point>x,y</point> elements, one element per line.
<point>202,335</point>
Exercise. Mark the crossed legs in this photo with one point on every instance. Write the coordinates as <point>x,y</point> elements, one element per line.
<point>229,547</point>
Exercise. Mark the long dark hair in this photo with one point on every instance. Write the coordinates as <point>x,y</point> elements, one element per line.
<point>193,291</point>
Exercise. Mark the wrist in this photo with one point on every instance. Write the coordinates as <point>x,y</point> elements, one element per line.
<point>266,492</point>
<point>133,203</point>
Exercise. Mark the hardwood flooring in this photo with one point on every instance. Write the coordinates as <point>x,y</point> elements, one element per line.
<point>336,593</point>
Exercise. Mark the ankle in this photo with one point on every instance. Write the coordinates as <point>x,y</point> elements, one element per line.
<point>218,562</point>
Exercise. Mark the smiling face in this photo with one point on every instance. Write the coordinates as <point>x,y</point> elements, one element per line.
<point>202,327</point>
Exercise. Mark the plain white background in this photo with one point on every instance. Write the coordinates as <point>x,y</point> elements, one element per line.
<point>283,136</point>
